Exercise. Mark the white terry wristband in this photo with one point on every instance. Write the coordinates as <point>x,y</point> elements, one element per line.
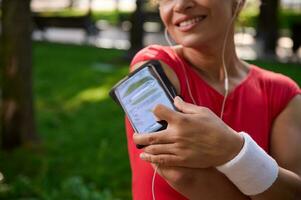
<point>252,171</point>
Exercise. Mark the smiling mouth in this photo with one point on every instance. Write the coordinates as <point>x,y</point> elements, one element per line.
<point>191,22</point>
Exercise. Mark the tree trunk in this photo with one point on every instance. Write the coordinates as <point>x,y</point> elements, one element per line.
<point>136,32</point>
<point>268,26</point>
<point>17,116</point>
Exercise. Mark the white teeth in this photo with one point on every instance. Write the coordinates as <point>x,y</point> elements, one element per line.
<point>191,21</point>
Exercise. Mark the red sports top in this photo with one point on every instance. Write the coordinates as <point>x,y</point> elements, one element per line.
<point>251,107</point>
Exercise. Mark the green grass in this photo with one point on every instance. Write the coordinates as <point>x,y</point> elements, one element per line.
<point>84,145</point>
<point>291,70</point>
<point>83,155</point>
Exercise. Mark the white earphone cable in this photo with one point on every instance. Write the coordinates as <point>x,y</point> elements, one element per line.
<point>153,182</point>
<point>167,37</point>
<point>226,79</point>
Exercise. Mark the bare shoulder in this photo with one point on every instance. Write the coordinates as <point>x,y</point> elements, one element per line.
<point>171,75</point>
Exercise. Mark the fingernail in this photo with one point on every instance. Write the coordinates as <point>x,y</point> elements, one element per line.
<point>142,156</point>
<point>178,99</point>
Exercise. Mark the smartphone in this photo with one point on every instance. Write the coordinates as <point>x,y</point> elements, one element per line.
<point>140,91</point>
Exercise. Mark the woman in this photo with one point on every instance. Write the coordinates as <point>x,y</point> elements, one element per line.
<point>194,153</point>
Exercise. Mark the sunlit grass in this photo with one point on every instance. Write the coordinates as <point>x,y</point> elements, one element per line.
<point>90,95</point>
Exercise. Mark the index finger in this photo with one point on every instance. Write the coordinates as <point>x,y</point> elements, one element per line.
<point>163,112</point>
<point>160,137</point>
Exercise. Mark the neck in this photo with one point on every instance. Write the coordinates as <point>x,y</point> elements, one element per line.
<point>208,61</point>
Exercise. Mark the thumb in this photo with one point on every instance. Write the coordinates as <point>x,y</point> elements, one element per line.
<point>185,107</point>
<point>164,113</point>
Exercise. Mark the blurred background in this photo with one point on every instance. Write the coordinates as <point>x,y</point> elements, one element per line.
<point>62,137</point>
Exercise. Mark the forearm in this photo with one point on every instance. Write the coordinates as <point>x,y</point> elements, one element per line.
<point>206,183</point>
<point>218,187</point>
<point>287,186</point>
<point>258,175</point>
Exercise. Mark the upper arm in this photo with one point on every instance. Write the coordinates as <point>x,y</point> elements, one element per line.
<point>286,137</point>
<point>171,75</point>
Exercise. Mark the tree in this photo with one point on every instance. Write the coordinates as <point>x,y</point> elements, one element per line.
<point>17,116</point>
<point>268,25</point>
<point>137,32</point>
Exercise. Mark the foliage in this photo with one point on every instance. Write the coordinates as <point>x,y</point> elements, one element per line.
<point>67,12</point>
<point>83,155</point>
<point>113,17</point>
<point>288,18</point>
<point>249,18</point>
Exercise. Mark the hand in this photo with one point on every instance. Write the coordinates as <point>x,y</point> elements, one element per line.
<point>195,138</point>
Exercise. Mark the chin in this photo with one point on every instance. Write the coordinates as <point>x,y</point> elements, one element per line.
<point>193,42</point>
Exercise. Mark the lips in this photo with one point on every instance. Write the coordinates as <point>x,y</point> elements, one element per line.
<point>186,24</point>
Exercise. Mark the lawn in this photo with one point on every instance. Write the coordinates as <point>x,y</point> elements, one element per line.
<point>83,154</point>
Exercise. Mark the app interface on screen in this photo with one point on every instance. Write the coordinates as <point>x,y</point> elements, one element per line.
<point>139,95</point>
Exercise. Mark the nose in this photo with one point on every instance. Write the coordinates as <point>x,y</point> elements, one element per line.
<point>183,5</point>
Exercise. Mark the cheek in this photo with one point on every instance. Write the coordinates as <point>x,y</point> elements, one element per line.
<point>220,19</point>
<point>224,12</point>
<point>221,10</point>
<point>166,15</point>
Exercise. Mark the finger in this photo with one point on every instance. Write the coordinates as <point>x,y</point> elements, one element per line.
<point>160,137</point>
<point>162,159</point>
<point>159,149</point>
<point>164,113</point>
<point>185,107</point>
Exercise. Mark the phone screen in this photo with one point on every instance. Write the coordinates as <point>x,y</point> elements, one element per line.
<point>138,96</point>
